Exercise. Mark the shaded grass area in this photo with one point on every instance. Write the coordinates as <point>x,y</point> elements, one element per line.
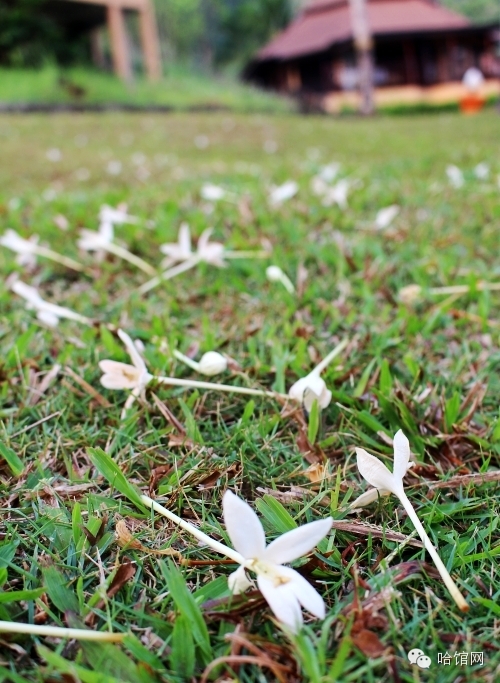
<point>431,369</point>
<point>179,89</point>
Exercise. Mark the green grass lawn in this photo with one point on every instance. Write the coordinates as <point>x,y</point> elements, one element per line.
<point>430,369</point>
<point>180,88</point>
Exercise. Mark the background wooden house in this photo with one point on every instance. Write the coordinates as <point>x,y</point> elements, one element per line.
<point>421,51</point>
<point>80,16</point>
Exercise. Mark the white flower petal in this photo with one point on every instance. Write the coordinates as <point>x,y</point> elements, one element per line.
<point>132,351</point>
<point>401,455</point>
<point>367,498</point>
<point>48,318</point>
<point>238,581</point>
<point>119,375</point>
<point>185,238</point>
<point>306,594</point>
<point>297,542</point>
<point>243,526</point>
<point>375,472</point>
<point>283,602</point>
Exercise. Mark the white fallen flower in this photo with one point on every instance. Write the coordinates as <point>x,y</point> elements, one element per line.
<point>210,364</point>
<point>482,171</point>
<point>312,387</point>
<point>384,481</point>
<point>455,176</point>
<point>283,193</point>
<point>101,241</point>
<point>275,274</point>
<point>28,249</point>
<point>180,250</point>
<point>213,253</point>
<point>124,376</point>
<point>24,248</point>
<point>385,216</point>
<point>285,590</point>
<point>136,377</point>
<point>329,172</point>
<point>212,193</point>
<point>45,312</point>
<point>118,216</point>
<point>337,194</point>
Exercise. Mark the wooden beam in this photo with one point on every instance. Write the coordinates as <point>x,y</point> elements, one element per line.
<point>150,43</point>
<point>123,4</point>
<point>119,42</point>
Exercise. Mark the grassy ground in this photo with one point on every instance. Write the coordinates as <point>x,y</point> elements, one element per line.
<point>431,370</point>
<point>180,89</point>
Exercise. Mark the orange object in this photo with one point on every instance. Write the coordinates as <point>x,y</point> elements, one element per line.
<point>471,103</point>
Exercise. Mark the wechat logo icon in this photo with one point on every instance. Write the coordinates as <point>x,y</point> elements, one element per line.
<point>419,658</point>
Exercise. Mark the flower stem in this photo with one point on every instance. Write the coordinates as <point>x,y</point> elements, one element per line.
<point>168,275</point>
<point>232,254</point>
<point>328,358</point>
<point>59,258</point>
<point>445,575</point>
<point>463,289</point>
<point>63,312</point>
<point>58,632</point>
<point>188,361</point>
<point>194,384</point>
<point>125,254</point>
<point>204,538</point>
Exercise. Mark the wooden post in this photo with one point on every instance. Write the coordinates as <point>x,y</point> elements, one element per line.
<point>363,45</point>
<point>150,42</point>
<point>119,42</point>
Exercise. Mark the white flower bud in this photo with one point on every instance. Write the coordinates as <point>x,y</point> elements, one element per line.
<point>212,363</point>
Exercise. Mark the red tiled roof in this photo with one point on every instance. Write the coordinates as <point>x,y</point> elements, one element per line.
<point>326,22</point>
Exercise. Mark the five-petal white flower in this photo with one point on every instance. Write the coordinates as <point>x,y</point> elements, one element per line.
<point>180,250</point>
<point>28,249</point>
<point>283,193</point>
<point>385,216</point>
<point>385,482</point>
<point>124,376</point>
<point>283,587</point>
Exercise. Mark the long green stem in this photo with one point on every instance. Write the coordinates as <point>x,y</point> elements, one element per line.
<point>204,538</point>
<point>194,384</point>
<point>126,255</point>
<point>168,275</point>
<point>58,632</point>
<point>328,358</point>
<point>59,258</point>
<point>445,575</point>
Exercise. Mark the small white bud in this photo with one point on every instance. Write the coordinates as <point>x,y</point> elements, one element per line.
<point>212,363</point>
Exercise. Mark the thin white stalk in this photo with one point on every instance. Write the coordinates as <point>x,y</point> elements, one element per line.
<point>185,359</point>
<point>168,275</point>
<point>287,283</point>
<point>126,255</point>
<point>329,357</point>
<point>204,538</point>
<point>194,384</point>
<point>463,289</point>
<point>59,632</point>
<point>59,258</point>
<point>230,254</point>
<point>62,312</point>
<point>445,575</point>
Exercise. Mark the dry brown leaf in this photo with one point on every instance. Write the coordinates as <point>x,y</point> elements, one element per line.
<point>124,538</point>
<point>368,642</point>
